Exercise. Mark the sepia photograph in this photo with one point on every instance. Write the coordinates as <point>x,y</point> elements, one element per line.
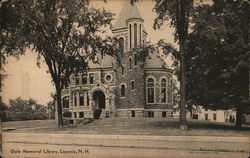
<point>125,79</point>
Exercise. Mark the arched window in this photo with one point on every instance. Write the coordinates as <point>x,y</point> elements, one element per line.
<point>135,35</point>
<point>150,90</point>
<point>121,45</point>
<point>130,63</point>
<point>140,34</point>
<point>123,90</point>
<point>77,79</point>
<point>163,95</point>
<point>135,59</point>
<point>130,36</point>
<point>65,102</point>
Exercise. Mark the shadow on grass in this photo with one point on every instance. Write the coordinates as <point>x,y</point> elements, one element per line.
<point>197,124</point>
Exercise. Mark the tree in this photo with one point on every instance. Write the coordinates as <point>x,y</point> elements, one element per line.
<point>64,33</point>
<point>178,12</point>
<point>21,109</point>
<point>217,62</point>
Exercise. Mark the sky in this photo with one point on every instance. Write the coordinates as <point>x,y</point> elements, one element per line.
<point>26,80</point>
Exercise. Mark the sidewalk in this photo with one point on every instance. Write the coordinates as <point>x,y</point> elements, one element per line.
<point>193,143</point>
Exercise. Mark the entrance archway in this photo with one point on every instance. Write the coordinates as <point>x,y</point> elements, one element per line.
<point>99,99</point>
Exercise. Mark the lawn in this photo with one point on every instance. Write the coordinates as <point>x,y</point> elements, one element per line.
<point>133,126</point>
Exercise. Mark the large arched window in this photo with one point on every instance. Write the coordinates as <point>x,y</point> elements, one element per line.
<point>65,102</point>
<point>163,90</point>
<point>150,90</point>
<point>130,36</point>
<point>135,35</point>
<point>121,45</point>
<point>123,90</point>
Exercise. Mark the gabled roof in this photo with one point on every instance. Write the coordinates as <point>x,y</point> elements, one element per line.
<point>128,11</point>
<point>155,61</point>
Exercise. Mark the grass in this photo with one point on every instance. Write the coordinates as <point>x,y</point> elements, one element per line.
<point>133,126</point>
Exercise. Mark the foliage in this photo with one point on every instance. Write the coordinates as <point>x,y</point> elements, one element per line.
<point>21,109</point>
<point>217,62</point>
<point>51,109</point>
<point>64,34</point>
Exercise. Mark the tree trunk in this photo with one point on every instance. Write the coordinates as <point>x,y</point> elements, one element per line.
<point>59,106</point>
<point>238,116</point>
<point>183,121</point>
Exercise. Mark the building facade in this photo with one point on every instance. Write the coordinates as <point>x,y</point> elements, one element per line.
<point>129,88</point>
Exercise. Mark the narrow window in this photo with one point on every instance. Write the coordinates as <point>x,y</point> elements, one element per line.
<point>65,102</point>
<point>81,114</point>
<point>135,35</point>
<point>130,63</point>
<point>107,114</point>
<point>84,79</point>
<point>87,98</point>
<point>75,99</point>
<point>164,114</point>
<point>206,116</point>
<point>91,78</point>
<point>75,114</point>
<point>163,90</point>
<point>140,34</point>
<point>122,70</point>
<point>133,113</point>
<point>135,59</point>
<point>214,116</point>
<point>130,36</point>
<point>81,99</point>
<point>123,90</point>
<point>121,45</point>
<point>77,79</point>
<point>150,91</point>
<point>132,85</point>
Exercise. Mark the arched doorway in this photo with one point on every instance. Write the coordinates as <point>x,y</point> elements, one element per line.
<point>99,101</point>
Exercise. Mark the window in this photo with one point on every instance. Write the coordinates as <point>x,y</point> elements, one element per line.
<point>81,114</point>
<point>150,114</point>
<point>75,114</point>
<point>77,79</point>
<point>81,99</point>
<point>121,45</point>
<point>135,35</point>
<point>75,99</point>
<point>150,90</point>
<point>65,102</point>
<point>66,85</point>
<point>206,116</point>
<point>91,78</point>
<point>130,63</point>
<point>140,34</point>
<point>214,117</point>
<point>84,79</point>
<point>122,70</point>
<point>123,90</point>
<point>87,98</point>
<point>164,114</point>
<point>132,85</point>
<point>107,114</point>
<point>135,59</point>
<point>133,113</point>
<point>163,90</point>
<point>130,36</point>
<point>108,77</point>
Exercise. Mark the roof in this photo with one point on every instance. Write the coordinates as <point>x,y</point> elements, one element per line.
<point>106,61</point>
<point>128,11</point>
<point>155,61</point>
